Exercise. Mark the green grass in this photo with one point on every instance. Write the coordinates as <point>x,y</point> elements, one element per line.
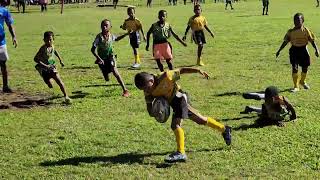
<point>104,135</point>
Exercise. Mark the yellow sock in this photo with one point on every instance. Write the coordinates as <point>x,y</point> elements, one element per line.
<point>295,77</point>
<point>215,124</point>
<point>138,59</point>
<point>303,78</point>
<point>180,139</point>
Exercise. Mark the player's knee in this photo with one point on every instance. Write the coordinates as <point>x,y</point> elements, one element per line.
<point>294,70</point>
<point>304,69</point>
<point>175,125</point>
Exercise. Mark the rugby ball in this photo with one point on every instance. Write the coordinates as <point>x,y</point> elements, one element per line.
<point>161,109</point>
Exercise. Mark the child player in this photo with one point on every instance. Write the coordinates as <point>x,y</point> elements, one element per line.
<point>299,36</point>
<point>133,25</point>
<point>274,109</point>
<point>198,23</point>
<point>5,18</point>
<point>165,85</point>
<point>45,59</point>
<point>161,32</point>
<point>265,9</point>
<point>105,57</point>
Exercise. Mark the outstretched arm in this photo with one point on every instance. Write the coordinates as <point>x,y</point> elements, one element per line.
<point>149,99</point>
<point>13,35</point>
<point>185,33</point>
<point>281,47</point>
<point>291,109</point>
<point>144,37</point>
<point>177,37</point>
<point>314,45</point>
<point>148,38</point>
<point>59,57</point>
<point>122,36</point>
<point>193,70</point>
<point>207,28</point>
<point>98,59</point>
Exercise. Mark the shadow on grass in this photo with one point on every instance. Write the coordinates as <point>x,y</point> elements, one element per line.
<point>255,125</point>
<point>238,118</point>
<point>126,158</point>
<point>78,94</point>
<point>182,66</point>
<point>237,93</point>
<point>30,103</point>
<point>229,94</point>
<point>248,15</point>
<point>80,67</point>
<point>103,85</point>
<point>260,123</point>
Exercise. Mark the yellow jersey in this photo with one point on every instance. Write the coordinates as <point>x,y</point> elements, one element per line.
<point>299,37</point>
<point>132,24</point>
<point>197,23</point>
<point>166,86</point>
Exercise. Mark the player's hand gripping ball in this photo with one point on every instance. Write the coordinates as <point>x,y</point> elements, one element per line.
<point>161,109</point>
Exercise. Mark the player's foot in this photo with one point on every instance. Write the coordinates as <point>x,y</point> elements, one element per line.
<point>267,14</point>
<point>6,89</point>
<point>135,65</point>
<point>200,62</point>
<point>294,90</point>
<point>176,157</point>
<point>67,100</point>
<point>247,110</point>
<point>227,135</point>
<point>106,78</point>
<point>255,96</point>
<point>232,8</point>
<point>49,84</point>
<point>125,93</point>
<point>305,85</point>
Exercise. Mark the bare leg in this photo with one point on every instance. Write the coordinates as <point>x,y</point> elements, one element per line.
<point>160,66</point>
<point>249,109</point>
<point>4,74</point>
<point>119,79</point>
<point>61,84</point>
<point>169,62</point>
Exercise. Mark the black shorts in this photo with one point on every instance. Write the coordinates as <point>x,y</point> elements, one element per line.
<point>46,73</point>
<point>265,2</point>
<point>108,64</point>
<point>299,56</point>
<point>179,106</point>
<point>2,63</point>
<point>134,39</point>
<point>198,37</point>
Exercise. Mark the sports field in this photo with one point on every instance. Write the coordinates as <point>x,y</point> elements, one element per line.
<point>103,135</point>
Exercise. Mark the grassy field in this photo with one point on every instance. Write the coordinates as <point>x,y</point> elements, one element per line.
<point>103,135</point>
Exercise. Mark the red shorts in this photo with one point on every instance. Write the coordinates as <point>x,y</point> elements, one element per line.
<point>162,51</point>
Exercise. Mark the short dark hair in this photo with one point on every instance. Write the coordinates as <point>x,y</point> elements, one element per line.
<point>105,20</point>
<point>162,12</point>
<point>270,92</point>
<point>47,34</point>
<point>296,16</point>
<point>141,79</point>
<point>196,6</point>
<point>5,2</point>
<point>131,8</point>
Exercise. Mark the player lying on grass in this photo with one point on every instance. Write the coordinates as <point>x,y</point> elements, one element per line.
<point>274,109</point>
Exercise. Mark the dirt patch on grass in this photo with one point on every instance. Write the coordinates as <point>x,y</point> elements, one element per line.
<point>19,99</point>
